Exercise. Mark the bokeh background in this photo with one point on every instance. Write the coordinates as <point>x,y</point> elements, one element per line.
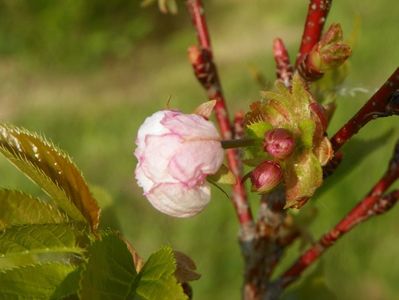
<point>86,73</point>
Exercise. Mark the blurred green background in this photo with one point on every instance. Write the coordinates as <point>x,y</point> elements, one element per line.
<point>86,73</point>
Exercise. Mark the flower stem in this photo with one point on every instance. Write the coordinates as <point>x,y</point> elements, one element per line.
<point>228,144</point>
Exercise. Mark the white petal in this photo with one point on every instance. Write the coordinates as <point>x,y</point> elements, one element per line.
<point>179,201</point>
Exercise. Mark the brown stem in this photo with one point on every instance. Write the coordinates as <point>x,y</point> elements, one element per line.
<point>205,70</point>
<point>317,14</point>
<point>284,69</point>
<point>373,204</point>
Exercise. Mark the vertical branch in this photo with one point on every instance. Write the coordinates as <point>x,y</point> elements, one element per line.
<point>317,14</point>
<point>284,69</point>
<point>201,58</point>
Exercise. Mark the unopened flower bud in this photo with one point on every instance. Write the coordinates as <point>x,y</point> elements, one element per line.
<point>266,176</point>
<point>175,153</point>
<point>279,143</point>
<point>331,51</point>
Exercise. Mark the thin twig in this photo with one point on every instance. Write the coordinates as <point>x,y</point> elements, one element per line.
<point>201,58</point>
<point>317,14</point>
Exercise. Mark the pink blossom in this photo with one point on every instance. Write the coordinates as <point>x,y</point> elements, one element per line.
<point>175,153</point>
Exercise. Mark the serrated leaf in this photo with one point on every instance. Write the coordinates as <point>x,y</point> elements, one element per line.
<point>17,208</point>
<point>157,280</point>
<point>110,272</point>
<point>52,170</point>
<point>38,244</point>
<point>33,282</point>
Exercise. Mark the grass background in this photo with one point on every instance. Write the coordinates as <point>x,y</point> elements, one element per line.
<point>87,73</point>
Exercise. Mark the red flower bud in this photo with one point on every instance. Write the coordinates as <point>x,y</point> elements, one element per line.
<point>279,143</point>
<point>266,176</point>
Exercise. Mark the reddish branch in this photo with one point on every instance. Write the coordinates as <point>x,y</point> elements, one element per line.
<point>205,70</point>
<point>373,204</point>
<point>317,14</point>
<point>284,69</point>
<point>384,103</point>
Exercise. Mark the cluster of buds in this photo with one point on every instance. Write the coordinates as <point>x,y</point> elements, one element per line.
<point>329,53</point>
<point>279,143</point>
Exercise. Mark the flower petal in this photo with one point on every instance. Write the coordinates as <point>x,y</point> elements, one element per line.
<point>179,201</point>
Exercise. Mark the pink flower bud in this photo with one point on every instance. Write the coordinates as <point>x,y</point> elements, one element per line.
<point>175,153</point>
<point>279,143</point>
<point>266,176</point>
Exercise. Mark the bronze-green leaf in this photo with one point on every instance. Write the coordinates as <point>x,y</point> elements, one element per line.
<point>52,170</point>
<point>17,208</point>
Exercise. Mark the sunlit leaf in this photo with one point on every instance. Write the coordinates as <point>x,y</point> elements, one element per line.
<point>33,282</point>
<point>110,272</point>
<point>52,170</point>
<point>38,244</point>
<point>17,208</point>
<point>157,280</point>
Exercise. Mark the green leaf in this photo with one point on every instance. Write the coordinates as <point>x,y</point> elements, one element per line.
<point>303,175</point>
<point>258,129</point>
<point>157,280</point>
<point>33,282</point>
<point>38,244</point>
<point>110,272</point>
<point>223,176</point>
<point>17,208</point>
<point>307,128</point>
<point>69,286</point>
<point>52,170</point>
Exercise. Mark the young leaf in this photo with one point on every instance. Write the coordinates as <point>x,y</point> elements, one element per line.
<point>157,280</point>
<point>38,244</point>
<point>303,175</point>
<point>52,170</point>
<point>223,176</point>
<point>33,282</point>
<point>110,272</point>
<point>185,268</point>
<point>17,208</point>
